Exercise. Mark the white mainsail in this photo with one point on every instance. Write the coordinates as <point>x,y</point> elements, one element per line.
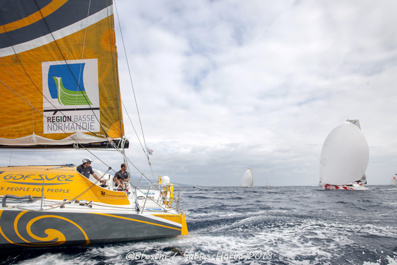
<point>344,156</point>
<point>247,180</point>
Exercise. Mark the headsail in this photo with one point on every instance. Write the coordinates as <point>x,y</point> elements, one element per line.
<point>58,66</point>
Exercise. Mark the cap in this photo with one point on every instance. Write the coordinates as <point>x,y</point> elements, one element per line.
<point>86,160</point>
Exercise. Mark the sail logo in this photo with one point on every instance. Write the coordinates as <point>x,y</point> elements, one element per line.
<point>71,96</point>
<point>65,82</point>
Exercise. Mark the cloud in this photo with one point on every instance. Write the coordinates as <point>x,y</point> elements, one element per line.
<point>227,85</point>
<point>253,83</point>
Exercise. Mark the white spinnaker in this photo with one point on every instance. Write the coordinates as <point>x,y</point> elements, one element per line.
<point>394,180</point>
<point>344,156</point>
<point>247,179</point>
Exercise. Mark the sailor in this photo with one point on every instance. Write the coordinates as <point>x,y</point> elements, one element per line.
<point>85,169</point>
<point>122,177</point>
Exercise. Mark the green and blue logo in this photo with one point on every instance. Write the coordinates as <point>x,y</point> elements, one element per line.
<point>71,96</point>
<point>66,83</point>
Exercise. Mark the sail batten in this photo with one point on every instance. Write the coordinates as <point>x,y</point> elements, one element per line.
<point>64,67</point>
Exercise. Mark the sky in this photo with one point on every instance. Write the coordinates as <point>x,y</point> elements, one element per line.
<point>223,86</point>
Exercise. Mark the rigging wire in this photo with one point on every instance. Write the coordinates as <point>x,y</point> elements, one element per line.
<point>27,101</point>
<point>20,63</point>
<point>144,147</point>
<point>41,113</point>
<point>132,87</point>
<point>83,147</point>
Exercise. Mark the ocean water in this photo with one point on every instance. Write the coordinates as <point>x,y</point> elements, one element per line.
<point>260,225</point>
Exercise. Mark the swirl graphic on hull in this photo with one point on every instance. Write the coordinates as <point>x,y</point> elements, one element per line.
<point>44,229</point>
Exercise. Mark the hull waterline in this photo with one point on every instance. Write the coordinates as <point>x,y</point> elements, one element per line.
<point>345,187</point>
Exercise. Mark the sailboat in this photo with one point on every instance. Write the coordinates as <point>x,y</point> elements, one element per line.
<point>394,180</point>
<point>344,158</point>
<point>247,180</point>
<point>59,89</point>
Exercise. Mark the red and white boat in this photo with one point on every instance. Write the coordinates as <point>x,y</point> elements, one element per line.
<point>344,158</point>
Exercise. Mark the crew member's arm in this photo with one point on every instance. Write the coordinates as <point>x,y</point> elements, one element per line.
<point>97,178</point>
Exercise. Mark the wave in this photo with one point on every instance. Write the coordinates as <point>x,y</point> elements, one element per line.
<point>278,225</point>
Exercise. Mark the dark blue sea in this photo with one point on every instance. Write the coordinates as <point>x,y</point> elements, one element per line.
<point>260,225</point>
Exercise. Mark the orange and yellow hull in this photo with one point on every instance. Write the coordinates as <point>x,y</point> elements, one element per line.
<point>109,217</point>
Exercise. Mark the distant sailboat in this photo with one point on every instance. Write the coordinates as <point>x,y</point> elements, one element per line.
<point>344,158</point>
<point>394,179</point>
<point>247,180</point>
